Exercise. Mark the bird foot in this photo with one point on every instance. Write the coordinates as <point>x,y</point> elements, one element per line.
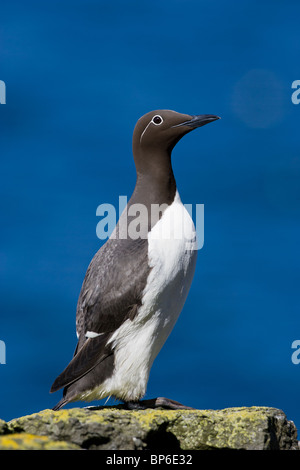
<point>160,402</point>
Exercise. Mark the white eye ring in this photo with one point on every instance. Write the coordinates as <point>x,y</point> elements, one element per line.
<point>159,120</point>
<point>152,122</point>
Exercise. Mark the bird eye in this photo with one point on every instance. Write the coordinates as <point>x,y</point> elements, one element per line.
<point>157,120</point>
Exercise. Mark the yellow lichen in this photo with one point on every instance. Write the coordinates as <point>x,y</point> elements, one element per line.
<point>26,441</point>
<point>147,417</point>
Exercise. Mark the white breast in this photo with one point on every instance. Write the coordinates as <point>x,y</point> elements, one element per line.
<point>172,257</point>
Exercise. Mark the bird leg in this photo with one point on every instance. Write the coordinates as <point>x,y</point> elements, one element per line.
<point>160,402</point>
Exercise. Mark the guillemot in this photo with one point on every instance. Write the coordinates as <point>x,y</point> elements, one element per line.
<point>137,283</point>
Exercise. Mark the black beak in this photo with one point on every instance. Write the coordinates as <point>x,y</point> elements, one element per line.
<point>199,121</point>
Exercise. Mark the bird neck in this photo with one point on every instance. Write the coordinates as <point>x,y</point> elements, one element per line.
<point>155,182</point>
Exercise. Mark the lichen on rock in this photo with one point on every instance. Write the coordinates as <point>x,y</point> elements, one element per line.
<point>114,428</point>
<point>25,441</point>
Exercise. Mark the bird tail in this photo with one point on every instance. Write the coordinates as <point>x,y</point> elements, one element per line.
<point>60,404</point>
<point>92,352</point>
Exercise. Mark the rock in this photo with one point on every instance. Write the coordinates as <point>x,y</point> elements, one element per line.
<point>113,428</point>
<point>3,427</point>
<point>25,441</point>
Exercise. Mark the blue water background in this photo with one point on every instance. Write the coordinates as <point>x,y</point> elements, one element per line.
<point>78,75</point>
